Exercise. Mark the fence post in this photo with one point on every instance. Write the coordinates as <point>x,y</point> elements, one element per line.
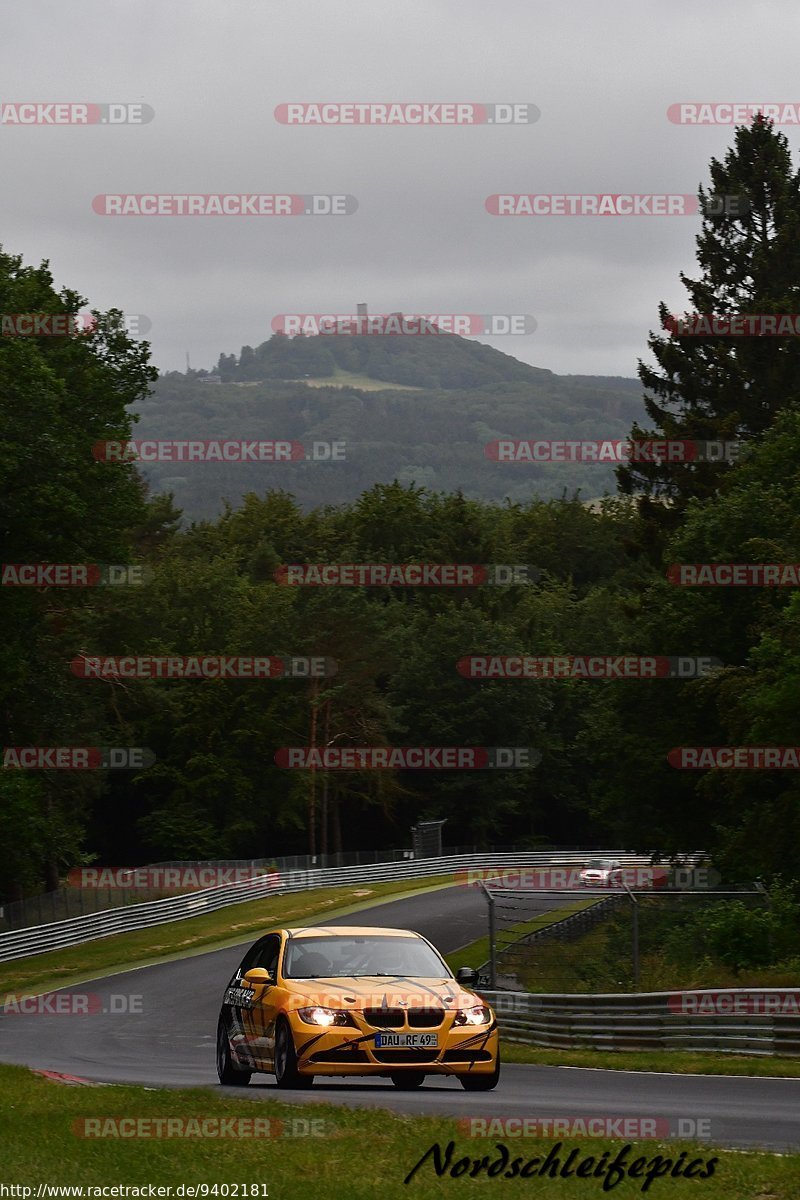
<point>634,935</point>
<point>492,939</point>
<point>760,886</point>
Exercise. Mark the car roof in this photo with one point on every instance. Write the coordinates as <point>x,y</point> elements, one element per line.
<point>348,931</point>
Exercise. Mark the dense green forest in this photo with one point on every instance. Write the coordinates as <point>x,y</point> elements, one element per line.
<point>434,437</point>
<point>603,588</point>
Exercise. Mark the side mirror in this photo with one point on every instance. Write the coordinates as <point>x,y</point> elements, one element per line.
<point>257,977</point>
<point>467,975</point>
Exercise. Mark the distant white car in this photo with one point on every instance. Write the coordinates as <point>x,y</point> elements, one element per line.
<point>601,872</point>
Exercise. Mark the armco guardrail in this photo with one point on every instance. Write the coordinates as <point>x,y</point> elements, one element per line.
<point>56,935</point>
<point>732,1020</point>
<point>64,903</point>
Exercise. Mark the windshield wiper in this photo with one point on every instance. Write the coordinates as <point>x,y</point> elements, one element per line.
<point>327,976</point>
<point>388,975</point>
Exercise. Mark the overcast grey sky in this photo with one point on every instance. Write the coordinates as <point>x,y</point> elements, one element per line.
<point>603,76</point>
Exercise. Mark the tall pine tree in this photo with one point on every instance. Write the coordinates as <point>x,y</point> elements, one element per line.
<point>717,388</point>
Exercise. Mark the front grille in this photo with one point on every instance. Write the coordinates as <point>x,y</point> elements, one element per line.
<point>395,1018</point>
<point>467,1056</point>
<point>405,1056</point>
<point>425,1018</point>
<point>331,1056</point>
<point>385,1018</point>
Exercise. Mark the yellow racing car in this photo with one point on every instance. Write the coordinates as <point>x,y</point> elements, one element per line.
<point>353,1001</point>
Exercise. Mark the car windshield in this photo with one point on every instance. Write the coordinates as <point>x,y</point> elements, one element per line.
<point>349,956</point>
<point>594,864</point>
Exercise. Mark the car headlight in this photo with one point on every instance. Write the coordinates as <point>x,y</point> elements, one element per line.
<point>325,1016</point>
<point>480,1015</point>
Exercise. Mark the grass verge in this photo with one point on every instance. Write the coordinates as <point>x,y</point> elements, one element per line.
<point>321,1151</point>
<point>227,927</point>
<point>670,1061</point>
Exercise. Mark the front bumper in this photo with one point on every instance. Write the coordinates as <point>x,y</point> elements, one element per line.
<point>345,1050</point>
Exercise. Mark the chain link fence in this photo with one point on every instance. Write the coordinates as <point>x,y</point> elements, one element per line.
<point>620,942</point>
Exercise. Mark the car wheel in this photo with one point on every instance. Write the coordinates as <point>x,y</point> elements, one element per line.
<point>286,1072</point>
<point>407,1080</point>
<point>229,1074</point>
<point>481,1083</point>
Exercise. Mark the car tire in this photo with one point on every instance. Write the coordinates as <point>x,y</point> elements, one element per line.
<point>406,1081</point>
<point>481,1083</point>
<point>286,1072</point>
<point>229,1074</point>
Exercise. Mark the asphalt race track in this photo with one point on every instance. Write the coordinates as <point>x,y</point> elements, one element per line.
<point>162,1034</point>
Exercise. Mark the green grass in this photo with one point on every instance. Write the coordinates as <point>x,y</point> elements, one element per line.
<point>350,379</point>
<point>227,927</point>
<point>674,1061</point>
<point>553,968</point>
<point>353,1154</point>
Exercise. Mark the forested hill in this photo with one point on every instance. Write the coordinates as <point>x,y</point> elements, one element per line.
<point>432,431</point>
<point>429,361</point>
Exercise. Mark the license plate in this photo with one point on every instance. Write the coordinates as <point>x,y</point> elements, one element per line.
<point>407,1041</point>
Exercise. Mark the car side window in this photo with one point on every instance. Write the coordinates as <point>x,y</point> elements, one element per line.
<point>252,958</point>
<point>268,954</point>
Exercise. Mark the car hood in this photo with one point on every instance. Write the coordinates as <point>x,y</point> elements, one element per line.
<point>379,992</point>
